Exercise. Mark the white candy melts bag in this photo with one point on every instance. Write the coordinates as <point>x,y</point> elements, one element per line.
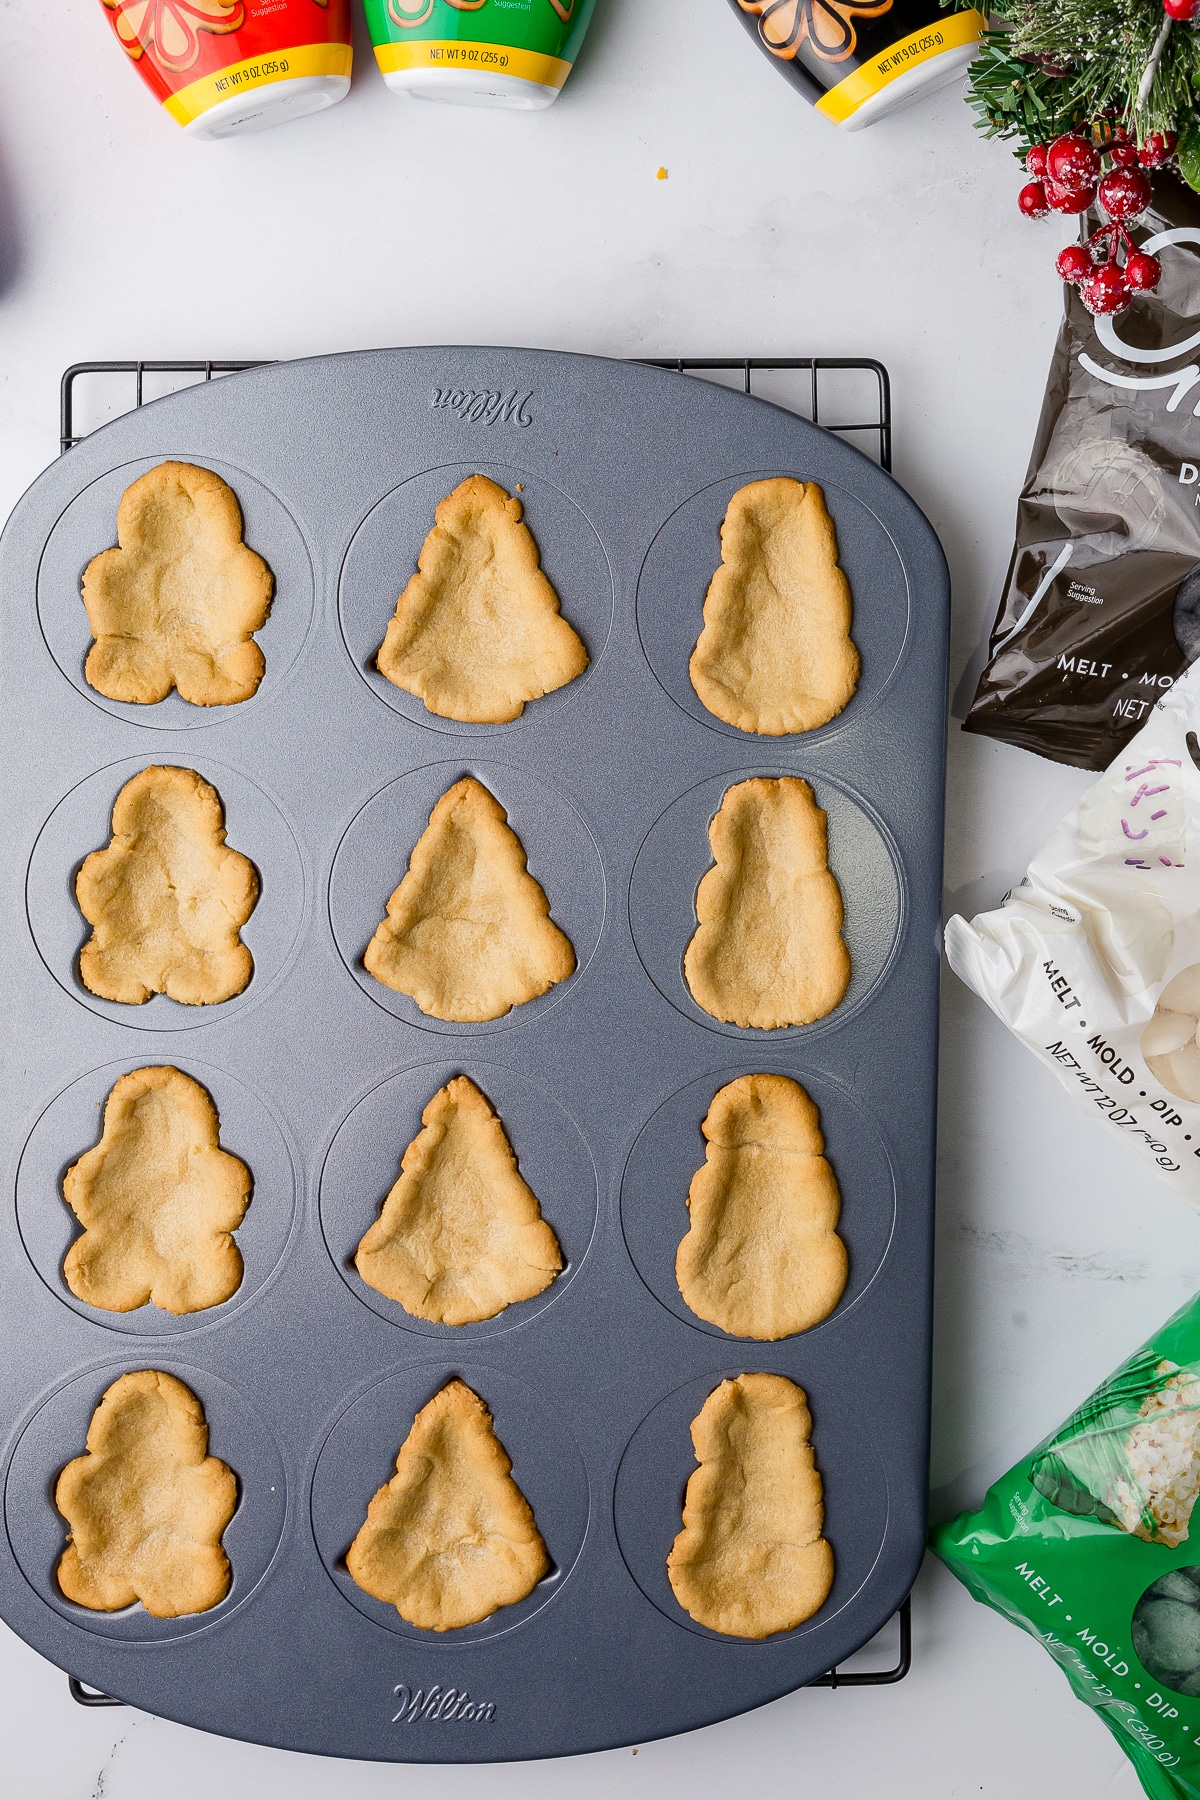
<point>1094,960</point>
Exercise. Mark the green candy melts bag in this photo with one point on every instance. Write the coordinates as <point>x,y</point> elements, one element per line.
<point>1086,1544</point>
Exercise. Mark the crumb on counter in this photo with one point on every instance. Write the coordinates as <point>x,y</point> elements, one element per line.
<point>661,176</point>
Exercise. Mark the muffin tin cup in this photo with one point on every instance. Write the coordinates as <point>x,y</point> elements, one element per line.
<point>237,1433</point>
<point>676,855</point>
<point>383,555</point>
<point>267,527</point>
<point>687,549</point>
<point>359,1456</point>
<point>82,822</point>
<point>363,1165</point>
<point>372,860</point>
<point>654,1473</point>
<point>671,1148</point>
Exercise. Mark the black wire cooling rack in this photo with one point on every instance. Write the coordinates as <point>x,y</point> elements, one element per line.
<point>835,385</point>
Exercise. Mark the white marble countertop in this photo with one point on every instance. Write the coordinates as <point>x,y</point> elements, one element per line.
<point>391,222</point>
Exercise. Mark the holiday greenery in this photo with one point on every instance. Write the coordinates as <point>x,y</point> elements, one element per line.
<point>1096,93</point>
<point>1058,66</point>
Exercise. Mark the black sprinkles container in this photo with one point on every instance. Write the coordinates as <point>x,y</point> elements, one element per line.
<point>858,62</point>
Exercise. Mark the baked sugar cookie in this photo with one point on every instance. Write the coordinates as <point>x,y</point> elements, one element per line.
<point>468,933</point>
<point>450,1538</point>
<point>157,1198</point>
<point>167,898</point>
<point>768,949</point>
<point>460,1236</point>
<point>175,604</point>
<point>478,632</point>
<point>751,1559</point>
<point>147,1505</point>
<point>762,1257</point>
<point>775,654</point>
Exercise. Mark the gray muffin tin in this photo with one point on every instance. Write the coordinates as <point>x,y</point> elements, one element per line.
<point>309,1379</point>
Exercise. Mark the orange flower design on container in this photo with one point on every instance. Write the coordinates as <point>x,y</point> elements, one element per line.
<point>415,12</point>
<point>170,29</point>
<point>412,13</point>
<point>827,26</point>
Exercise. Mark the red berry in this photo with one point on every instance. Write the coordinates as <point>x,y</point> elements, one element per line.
<point>1183,10</point>
<point>1142,271</point>
<point>1032,200</point>
<point>1069,200</point>
<point>1073,161</point>
<point>1074,264</point>
<point>1125,156</point>
<point>1105,291</point>
<point>1035,160</point>
<point>1126,193</point>
<point>1157,149</point>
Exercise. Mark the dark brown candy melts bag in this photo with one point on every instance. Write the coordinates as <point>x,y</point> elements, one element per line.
<point>1101,607</point>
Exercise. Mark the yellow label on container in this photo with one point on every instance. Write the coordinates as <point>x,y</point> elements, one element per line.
<point>257,72</point>
<point>872,77</point>
<point>463,53</point>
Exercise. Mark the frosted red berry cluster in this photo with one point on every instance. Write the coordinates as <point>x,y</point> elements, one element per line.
<point>1068,176</point>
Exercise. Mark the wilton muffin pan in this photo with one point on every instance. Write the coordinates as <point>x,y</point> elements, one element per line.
<point>309,1378</point>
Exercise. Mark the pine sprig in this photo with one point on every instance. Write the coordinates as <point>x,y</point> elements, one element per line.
<point>1105,45</point>
<point>1056,65</point>
<point>1015,98</point>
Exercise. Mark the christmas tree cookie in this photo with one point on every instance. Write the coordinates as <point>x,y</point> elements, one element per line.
<point>768,949</point>
<point>146,1505</point>
<point>174,605</point>
<point>751,1559</point>
<point>450,1538</point>
<point>460,1236</point>
<point>762,1258</point>
<point>478,632</point>
<point>468,934</point>
<point>166,899</point>
<point>157,1198</point>
<point>775,654</point>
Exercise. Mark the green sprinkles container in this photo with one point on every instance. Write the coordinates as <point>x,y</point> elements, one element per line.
<point>513,53</point>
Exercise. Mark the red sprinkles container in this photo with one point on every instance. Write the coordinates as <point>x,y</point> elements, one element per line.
<point>220,67</point>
